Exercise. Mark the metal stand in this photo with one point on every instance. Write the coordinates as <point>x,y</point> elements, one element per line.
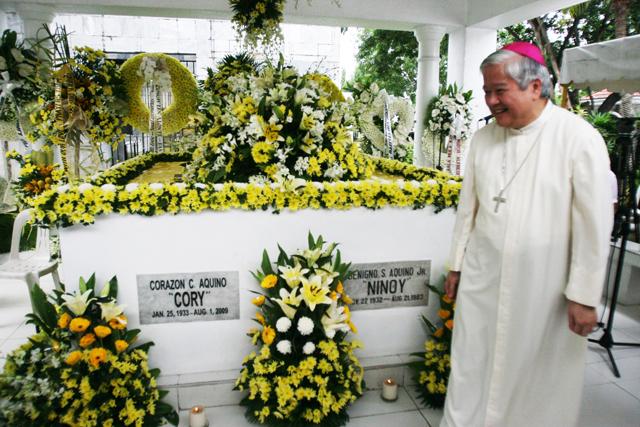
<point>624,217</point>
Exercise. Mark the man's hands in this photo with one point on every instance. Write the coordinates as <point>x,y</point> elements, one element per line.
<point>451,284</point>
<point>582,318</point>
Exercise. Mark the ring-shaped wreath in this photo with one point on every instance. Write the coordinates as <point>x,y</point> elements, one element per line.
<point>398,107</point>
<point>184,94</point>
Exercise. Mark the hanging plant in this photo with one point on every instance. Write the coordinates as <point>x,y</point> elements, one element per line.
<point>137,70</point>
<point>258,22</point>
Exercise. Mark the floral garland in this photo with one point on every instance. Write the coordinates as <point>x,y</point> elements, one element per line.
<point>34,179</point>
<point>431,372</point>
<point>277,126</point>
<point>82,368</point>
<point>81,204</point>
<point>368,110</point>
<point>170,72</point>
<point>305,372</point>
<point>258,22</point>
<point>92,93</point>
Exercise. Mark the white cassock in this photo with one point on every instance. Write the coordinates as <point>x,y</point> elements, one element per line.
<point>515,363</point>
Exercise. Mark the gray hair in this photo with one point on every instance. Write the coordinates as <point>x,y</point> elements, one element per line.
<point>522,69</point>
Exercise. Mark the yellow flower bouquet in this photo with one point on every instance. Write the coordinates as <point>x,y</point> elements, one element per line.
<point>431,372</point>
<point>305,372</point>
<point>84,367</point>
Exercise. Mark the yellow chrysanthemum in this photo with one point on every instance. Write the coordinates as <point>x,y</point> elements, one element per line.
<point>102,331</point>
<point>97,356</point>
<point>121,345</point>
<point>63,320</point>
<point>73,358</point>
<point>79,324</point>
<point>87,340</point>
<point>268,335</point>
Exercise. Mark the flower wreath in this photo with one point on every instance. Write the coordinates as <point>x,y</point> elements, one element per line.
<point>398,107</point>
<point>184,92</point>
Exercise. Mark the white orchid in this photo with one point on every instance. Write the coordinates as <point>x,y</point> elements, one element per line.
<point>78,303</point>
<point>334,320</point>
<point>110,310</point>
<point>292,275</point>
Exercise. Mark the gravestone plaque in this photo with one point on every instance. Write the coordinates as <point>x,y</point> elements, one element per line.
<point>188,297</point>
<point>388,284</point>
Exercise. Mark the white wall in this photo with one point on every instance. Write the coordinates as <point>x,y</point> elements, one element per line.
<point>306,46</point>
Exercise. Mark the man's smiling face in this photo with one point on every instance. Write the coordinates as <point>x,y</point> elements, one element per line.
<point>511,106</point>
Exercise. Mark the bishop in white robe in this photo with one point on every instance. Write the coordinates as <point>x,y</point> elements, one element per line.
<point>532,234</point>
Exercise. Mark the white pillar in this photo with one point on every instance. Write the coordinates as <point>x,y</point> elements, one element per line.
<point>33,16</point>
<point>467,49</point>
<point>429,37</point>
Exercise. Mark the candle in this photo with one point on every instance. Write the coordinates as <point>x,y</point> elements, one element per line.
<point>197,417</point>
<point>389,390</point>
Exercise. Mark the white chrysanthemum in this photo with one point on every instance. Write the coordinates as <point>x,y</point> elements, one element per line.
<point>63,188</point>
<point>283,324</point>
<point>305,325</point>
<point>284,346</point>
<point>84,187</point>
<point>309,348</point>
<point>108,188</point>
<point>131,187</point>
<point>156,186</point>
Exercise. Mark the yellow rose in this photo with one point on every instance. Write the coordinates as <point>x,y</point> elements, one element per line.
<point>63,321</point>
<point>102,331</point>
<point>97,356</point>
<point>258,301</point>
<point>73,358</point>
<point>449,324</point>
<point>438,333</point>
<point>79,324</point>
<point>121,345</point>
<point>87,340</point>
<point>268,335</point>
<point>444,314</point>
<point>269,281</point>
<point>119,322</point>
<point>340,288</point>
<point>260,318</point>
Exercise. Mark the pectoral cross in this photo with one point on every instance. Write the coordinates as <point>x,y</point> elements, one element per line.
<point>499,199</point>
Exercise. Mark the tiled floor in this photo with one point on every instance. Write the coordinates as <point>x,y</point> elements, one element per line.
<point>607,402</point>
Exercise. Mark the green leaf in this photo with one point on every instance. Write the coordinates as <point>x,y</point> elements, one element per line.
<point>91,283</point>
<point>155,372</point>
<point>43,308</point>
<point>311,241</point>
<point>82,286</point>
<point>266,263</point>
<point>113,287</point>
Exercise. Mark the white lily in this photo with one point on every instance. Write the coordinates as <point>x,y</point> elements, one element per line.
<point>110,310</point>
<point>288,301</point>
<point>77,303</point>
<point>292,275</point>
<point>315,292</point>
<point>334,320</point>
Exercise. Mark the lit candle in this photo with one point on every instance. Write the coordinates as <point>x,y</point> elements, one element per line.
<point>389,390</point>
<point>197,417</point>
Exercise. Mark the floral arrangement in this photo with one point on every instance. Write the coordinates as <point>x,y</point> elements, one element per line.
<point>82,368</point>
<point>217,86</point>
<point>169,72</point>
<point>21,73</point>
<point>108,193</point>
<point>258,22</point>
<point>368,112</point>
<point>305,371</point>
<point>89,100</point>
<point>278,126</point>
<point>431,372</point>
<point>448,115</point>
<point>34,179</point>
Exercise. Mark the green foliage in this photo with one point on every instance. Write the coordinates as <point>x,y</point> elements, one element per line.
<point>390,59</point>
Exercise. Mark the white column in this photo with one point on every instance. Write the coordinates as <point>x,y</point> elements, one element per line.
<point>429,37</point>
<point>33,16</point>
<point>467,49</point>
